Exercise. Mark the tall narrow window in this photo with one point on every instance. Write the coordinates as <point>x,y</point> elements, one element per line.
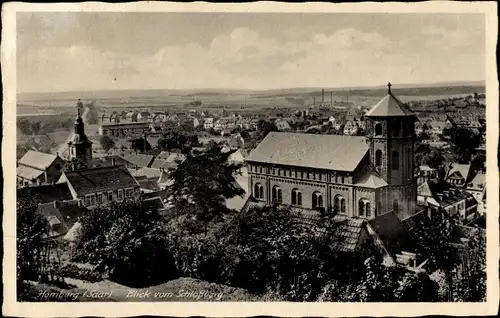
<point>361,208</point>
<point>395,128</point>
<point>317,200</point>
<point>258,191</point>
<point>277,194</point>
<point>395,207</point>
<point>378,129</point>
<point>368,209</point>
<point>395,160</point>
<point>378,158</point>
<point>296,197</point>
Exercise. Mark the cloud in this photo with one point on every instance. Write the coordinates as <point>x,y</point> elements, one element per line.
<point>451,39</point>
<point>243,58</point>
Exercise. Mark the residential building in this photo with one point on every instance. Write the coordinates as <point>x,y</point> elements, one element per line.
<point>100,186</point>
<point>459,174</point>
<point>440,195</point>
<point>477,187</point>
<point>350,175</point>
<point>351,128</point>
<point>36,168</point>
<point>282,125</point>
<point>124,129</point>
<point>136,160</point>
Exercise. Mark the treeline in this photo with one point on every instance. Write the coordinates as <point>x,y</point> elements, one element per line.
<point>45,124</point>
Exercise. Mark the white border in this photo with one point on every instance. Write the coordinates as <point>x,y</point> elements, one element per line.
<point>239,309</point>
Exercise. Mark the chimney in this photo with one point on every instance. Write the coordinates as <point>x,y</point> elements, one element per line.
<point>322,95</point>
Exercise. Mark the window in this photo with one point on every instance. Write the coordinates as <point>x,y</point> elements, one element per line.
<point>99,198</point>
<point>378,158</point>
<point>339,204</point>
<point>277,194</point>
<point>364,208</point>
<point>317,200</point>
<point>120,194</point>
<point>110,196</point>
<point>296,197</point>
<point>395,207</point>
<point>395,160</point>
<point>395,128</point>
<point>258,191</point>
<point>128,193</point>
<point>378,129</point>
<point>87,200</point>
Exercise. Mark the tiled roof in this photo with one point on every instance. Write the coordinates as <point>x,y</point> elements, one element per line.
<point>392,233</point>
<point>100,179</point>
<point>140,160</point>
<point>463,169</point>
<point>148,184</point>
<point>479,179</point>
<point>147,172</point>
<point>37,159</point>
<point>442,192</point>
<point>28,173</point>
<point>46,193</point>
<point>389,106</point>
<point>330,152</point>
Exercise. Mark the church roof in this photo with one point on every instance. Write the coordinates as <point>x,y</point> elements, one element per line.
<point>389,106</point>
<point>370,179</point>
<point>332,152</point>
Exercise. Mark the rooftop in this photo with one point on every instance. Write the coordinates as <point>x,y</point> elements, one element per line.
<point>100,179</point>
<point>389,106</point>
<point>392,233</point>
<point>332,152</point>
<point>38,160</point>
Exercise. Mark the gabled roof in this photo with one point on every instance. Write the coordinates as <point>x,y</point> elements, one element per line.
<point>392,233</point>
<point>368,178</point>
<point>140,160</point>
<point>389,106</point>
<point>28,173</point>
<point>38,160</point>
<point>463,169</point>
<point>479,179</point>
<point>46,193</point>
<point>100,179</point>
<point>332,152</point>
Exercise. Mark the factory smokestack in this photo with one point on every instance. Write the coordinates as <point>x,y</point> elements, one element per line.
<point>322,96</point>
<point>331,98</point>
<point>314,101</point>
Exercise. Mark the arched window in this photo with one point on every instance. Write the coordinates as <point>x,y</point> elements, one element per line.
<point>258,191</point>
<point>378,157</point>
<point>378,129</point>
<point>361,208</point>
<point>296,197</point>
<point>395,207</point>
<point>317,200</point>
<point>339,204</point>
<point>395,160</point>
<point>364,208</point>
<point>277,194</point>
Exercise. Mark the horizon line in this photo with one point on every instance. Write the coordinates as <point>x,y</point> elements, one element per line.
<point>422,85</point>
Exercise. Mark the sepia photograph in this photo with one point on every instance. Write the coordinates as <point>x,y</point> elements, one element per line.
<point>321,157</point>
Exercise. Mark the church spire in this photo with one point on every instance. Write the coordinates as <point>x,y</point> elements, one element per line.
<point>389,88</point>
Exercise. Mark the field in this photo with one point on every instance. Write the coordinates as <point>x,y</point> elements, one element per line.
<point>30,104</point>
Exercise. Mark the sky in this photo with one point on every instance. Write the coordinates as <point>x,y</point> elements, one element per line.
<point>74,51</point>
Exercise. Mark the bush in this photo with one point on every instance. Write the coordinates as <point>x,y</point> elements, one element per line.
<point>73,271</point>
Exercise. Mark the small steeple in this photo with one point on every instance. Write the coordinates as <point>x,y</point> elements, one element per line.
<point>389,87</point>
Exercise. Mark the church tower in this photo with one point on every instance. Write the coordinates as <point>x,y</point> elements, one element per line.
<point>391,135</point>
<point>80,147</point>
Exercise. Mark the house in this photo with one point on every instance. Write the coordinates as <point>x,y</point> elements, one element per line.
<point>61,216</point>
<point>158,117</point>
<point>165,161</point>
<point>477,187</point>
<point>208,123</point>
<point>436,127</point>
<point>132,116</point>
<point>440,195</point>
<point>226,123</point>
<point>114,118</point>
<point>100,186</point>
<point>236,142</point>
<point>427,173</point>
<point>459,174</point>
<point>143,116</point>
<point>152,179</point>
<point>124,129</point>
<point>391,236</point>
<point>238,156</point>
<point>36,168</point>
<point>282,125</point>
<point>136,160</point>
<point>244,123</point>
<point>351,128</point>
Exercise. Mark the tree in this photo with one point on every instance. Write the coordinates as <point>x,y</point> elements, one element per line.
<point>264,127</point>
<point>106,142</point>
<point>32,232</point>
<point>433,159</point>
<point>202,182</point>
<point>176,139</point>
<point>74,164</point>
<point>140,144</point>
<point>126,241</point>
<point>464,142</point>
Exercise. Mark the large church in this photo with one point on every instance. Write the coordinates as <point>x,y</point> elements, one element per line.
<point>355,176</point>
